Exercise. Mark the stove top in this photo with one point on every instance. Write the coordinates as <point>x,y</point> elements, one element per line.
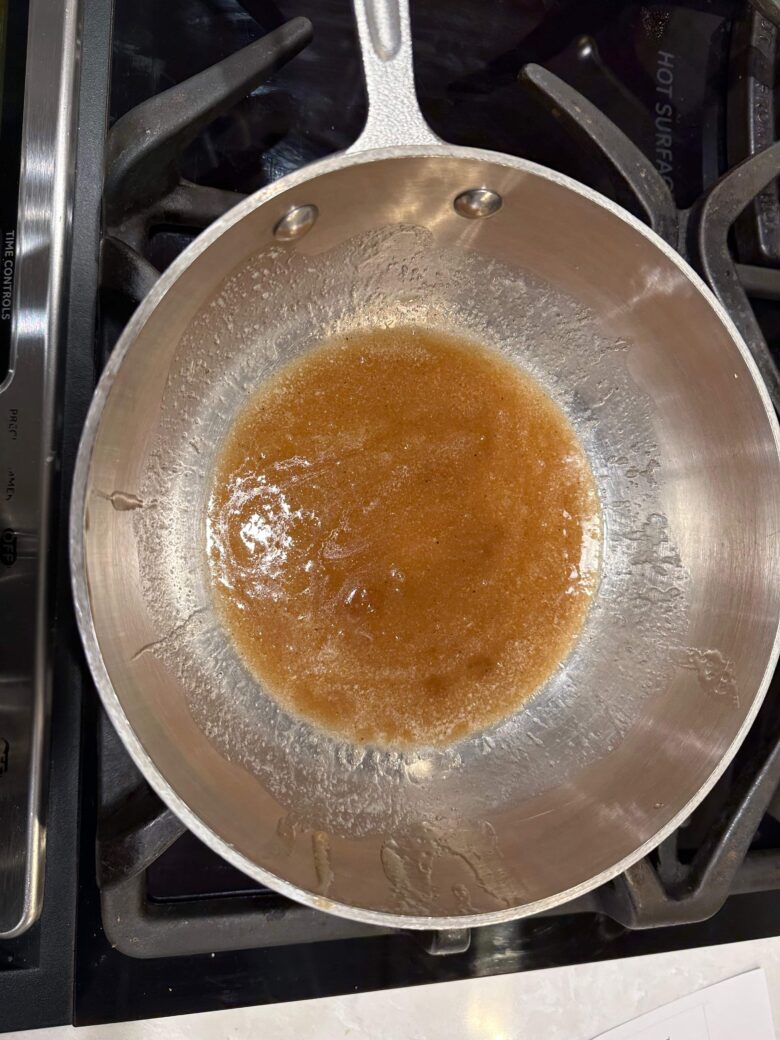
<point>636,62</point>
<point>656,105</point>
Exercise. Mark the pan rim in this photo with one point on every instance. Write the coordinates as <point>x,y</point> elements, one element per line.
<point>83,610</point>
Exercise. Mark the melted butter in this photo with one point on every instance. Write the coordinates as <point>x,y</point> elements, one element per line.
<point>403,537</point>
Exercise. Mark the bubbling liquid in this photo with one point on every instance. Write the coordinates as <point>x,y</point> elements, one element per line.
<point>403,537</point>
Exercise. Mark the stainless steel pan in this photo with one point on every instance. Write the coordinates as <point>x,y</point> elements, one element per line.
<point>670,670</point>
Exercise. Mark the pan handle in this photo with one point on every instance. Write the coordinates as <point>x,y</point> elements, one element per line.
<point>394,116</point>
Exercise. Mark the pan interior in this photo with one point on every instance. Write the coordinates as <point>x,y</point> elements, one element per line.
<point>626,731</point>
<point>405,278</point>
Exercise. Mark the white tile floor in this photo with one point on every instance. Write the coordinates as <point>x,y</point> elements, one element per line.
<point>574,1003</point>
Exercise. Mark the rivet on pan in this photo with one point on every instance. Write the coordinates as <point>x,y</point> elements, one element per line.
<point>296,223</point>
<point>477,202</point>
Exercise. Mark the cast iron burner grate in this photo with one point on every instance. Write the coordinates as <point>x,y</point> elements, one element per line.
<point>162,893</point>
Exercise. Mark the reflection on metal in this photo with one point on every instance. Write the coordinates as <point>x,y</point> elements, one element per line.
<point>296,223</point>
<point>27,451</point>
<point>477,203</point>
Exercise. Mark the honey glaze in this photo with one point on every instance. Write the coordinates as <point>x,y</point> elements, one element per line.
<point>403,536</point>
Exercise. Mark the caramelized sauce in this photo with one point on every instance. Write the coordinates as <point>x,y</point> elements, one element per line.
<point>403,536</point>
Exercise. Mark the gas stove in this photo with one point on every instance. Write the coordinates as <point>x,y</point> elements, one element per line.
<point>184,108</point>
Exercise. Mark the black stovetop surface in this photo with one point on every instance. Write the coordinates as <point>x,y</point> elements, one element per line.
<point>633,61</point>
<point>467,61</point>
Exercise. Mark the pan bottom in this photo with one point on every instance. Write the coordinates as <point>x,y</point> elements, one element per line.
<point>403,536</point>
